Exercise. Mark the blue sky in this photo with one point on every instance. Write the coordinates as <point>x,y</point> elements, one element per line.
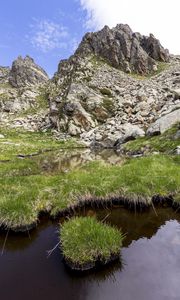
<point>50,30</point>
<point>46,30</point>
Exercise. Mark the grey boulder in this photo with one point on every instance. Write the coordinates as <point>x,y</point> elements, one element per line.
<point>164,123</point>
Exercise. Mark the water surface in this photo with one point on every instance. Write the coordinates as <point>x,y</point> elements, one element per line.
<point>150,262</point>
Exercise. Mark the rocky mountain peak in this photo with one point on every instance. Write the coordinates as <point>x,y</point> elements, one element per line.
<point>25,72</point>
<point>123,49</point>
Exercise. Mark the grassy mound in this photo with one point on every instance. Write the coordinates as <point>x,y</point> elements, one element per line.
<point>86,241</point>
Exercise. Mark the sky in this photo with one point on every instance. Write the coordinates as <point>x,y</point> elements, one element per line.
<point>51,30</point>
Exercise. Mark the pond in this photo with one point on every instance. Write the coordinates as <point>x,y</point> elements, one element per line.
<point>150,267</point>
<point>150,257</point>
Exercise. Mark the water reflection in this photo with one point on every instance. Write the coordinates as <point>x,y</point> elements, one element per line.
<point>66,160</point>
<point>150,266</point>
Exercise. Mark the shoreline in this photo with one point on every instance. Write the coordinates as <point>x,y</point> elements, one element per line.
<point>139,204</point>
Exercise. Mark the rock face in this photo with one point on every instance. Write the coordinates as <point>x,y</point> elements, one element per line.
<point>123,49</point>
<point>25,72</point>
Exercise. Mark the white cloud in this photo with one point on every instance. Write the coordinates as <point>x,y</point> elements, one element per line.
<point>160,17</point>
<point>47,35</point>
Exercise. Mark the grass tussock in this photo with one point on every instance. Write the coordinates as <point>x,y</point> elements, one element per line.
<point>85,240</point>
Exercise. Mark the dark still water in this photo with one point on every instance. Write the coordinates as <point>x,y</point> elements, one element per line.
<point>150,262</point>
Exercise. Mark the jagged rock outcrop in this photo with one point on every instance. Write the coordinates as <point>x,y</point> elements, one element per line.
<point>123,49</point>
<point>25,72</point>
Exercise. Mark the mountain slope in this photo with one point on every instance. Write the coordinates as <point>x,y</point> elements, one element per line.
<point>92,96</point>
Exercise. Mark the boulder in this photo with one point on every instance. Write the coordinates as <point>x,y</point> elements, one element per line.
<point>164,123</point>
<point>115,138</point>
<point>131,132</point>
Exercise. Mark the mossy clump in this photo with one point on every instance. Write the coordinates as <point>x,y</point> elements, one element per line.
<point>106,92</point>
<point>108,105</point>
<point>86,241</point>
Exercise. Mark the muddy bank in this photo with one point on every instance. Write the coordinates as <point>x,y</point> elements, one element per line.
<point>97,264</point>
<point>136,204</point>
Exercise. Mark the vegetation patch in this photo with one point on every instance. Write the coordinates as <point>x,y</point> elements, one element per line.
<point>106,92</point>
<point>26,189</point>
<point>86,242</point>
<point>108,105</point>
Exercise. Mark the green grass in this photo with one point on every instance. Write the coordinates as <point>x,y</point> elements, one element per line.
<point>106,92</point>
<point>26,189</point>
<point>163,143</point>
<point>26,143</point>
<point>85,240</point>
<point>108,105</point>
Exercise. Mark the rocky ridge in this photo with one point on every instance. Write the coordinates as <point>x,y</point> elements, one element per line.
<point>116,86</point>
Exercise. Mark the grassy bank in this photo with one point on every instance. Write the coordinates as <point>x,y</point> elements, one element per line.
<point>86,241</point>
<point>26,190</point>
